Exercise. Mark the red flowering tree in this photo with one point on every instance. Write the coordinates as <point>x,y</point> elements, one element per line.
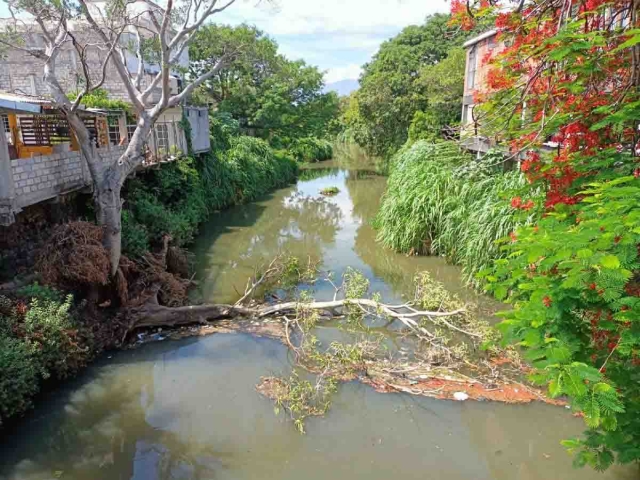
<point>563,93</point>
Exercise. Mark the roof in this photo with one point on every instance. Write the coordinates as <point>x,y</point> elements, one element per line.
<point>479,38</point>
<point>21,102</point>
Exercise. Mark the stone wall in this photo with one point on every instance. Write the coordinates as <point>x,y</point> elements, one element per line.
<point>24,74</point>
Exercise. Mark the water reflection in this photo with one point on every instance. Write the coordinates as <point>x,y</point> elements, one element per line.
<point>188,410</point>
<point>299,220</point>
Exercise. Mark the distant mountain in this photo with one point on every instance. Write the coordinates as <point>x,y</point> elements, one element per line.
<point>342,87</point>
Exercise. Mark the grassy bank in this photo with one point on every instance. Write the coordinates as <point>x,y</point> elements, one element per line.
<point>175,199</point>
<point>441,201</point>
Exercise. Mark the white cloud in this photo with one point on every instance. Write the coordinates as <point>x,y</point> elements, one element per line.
<point>347,72</point>
<point>336,35</point>
<point>302,17</point>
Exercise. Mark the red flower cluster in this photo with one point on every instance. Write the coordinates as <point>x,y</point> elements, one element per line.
<point>498,80</point>
<point>516,202</point>
<point>531,162</point>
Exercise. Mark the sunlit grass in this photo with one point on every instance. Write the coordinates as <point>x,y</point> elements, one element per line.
<point>440,201</point>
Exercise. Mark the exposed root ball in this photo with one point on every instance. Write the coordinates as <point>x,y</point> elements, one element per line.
<point>178,261</point>
<point>74,259</point>
<point>74,256</point>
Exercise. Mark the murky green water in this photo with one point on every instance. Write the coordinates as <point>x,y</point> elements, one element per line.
<point>189,410</point>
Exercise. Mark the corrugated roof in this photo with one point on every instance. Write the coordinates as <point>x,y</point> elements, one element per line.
<point>19,102</point>
<point>21,97</point>
<point>479,38</point>
<point>22,103</point>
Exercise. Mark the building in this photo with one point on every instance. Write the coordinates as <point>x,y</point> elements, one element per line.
<point>475,81</point>
<point>39,157</point>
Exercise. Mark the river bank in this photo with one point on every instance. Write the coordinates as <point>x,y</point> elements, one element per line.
<point>48,333</point>
<point>138,415</point>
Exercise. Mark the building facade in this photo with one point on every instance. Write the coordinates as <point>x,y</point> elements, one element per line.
<point>39,157</point>
<point>475,81</point>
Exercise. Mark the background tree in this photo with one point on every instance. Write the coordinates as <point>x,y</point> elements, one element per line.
<point>390,90</point>
<point>105,38</point>
<point>442,85</point>
<point>268,94</point>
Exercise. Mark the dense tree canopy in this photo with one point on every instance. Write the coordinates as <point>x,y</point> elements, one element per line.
<point>419,70</point>
<point>267,93</point>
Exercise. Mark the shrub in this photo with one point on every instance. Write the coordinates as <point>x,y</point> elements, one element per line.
<point>48,328</point>
<point>135,238</point>
<point>311,149</point>
<point>18,377</point>
<point>38,340</point>
<point>441,201</point>
<point>41,292</point>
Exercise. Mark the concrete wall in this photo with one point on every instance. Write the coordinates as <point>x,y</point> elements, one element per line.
<point>33,180</point>
<point>24,73</point>
<point>199,121</point>
<point>480,50</point>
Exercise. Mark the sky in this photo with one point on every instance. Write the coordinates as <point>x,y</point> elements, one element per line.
<point>336,35</point>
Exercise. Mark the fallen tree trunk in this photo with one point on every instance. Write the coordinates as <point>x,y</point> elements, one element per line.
<point>152,314</point>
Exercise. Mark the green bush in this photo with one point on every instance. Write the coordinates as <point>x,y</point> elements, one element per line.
<point>135,238</point>
<point>19,377</point>
<point>38,340</point>
<point>441,201</point>
<point>48,328</point>
<point>175,199</point>
<point>41,292</point>
<point>311,149</point>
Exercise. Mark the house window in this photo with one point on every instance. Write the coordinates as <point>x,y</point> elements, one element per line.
<point>114,134</point>
<point>131,128</point>
<point>472,67</point>
<point>162,137</point>
<point>114,130</point>
<point>6,130</point>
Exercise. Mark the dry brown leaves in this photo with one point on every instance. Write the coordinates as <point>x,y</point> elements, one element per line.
<point>74,259</point>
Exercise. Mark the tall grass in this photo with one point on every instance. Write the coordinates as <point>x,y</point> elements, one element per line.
<point>440,201</point>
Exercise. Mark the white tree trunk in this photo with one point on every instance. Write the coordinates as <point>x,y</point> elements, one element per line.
<point>109,215</point>
<point>108,180</point>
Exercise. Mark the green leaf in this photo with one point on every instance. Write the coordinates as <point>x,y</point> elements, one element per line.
<point>584,253</point>
<point>501,292</point>
<point>610,261</point>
